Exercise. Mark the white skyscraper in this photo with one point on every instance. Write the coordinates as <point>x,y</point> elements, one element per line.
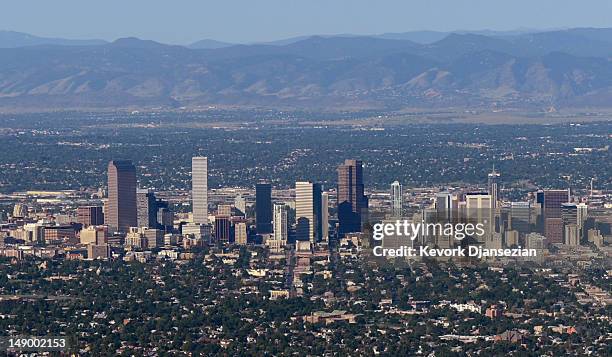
<point>280,222</point>
<point>308,211</point>
<point>199,189</point>
<point>396,199</point>
<point>493,187</point>
<point>325,216</point>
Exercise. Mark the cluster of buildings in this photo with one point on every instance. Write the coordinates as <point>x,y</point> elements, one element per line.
<point>128,218</point>
<point>548,220</point>
<point>135,219</point>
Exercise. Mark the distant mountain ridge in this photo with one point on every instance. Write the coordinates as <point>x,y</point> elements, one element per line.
<point>12,39</point>
<point>561,68</point>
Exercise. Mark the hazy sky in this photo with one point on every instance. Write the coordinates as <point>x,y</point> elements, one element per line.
<point>185,21</point>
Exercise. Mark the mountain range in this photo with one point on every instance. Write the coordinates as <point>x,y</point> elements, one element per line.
<point>519,69</point>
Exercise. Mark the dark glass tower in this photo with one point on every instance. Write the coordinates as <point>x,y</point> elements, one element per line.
<point>352,202</point>
<point>263,208</point>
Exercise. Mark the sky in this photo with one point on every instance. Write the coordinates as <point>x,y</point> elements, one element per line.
<point>242,21</point>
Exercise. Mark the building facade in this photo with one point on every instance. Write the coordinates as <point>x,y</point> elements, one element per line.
<point>352,202</point>
<point>121,204</point>
<point>199,189</point>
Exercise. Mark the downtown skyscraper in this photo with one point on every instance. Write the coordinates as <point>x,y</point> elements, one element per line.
<point>325,216</point>
<point>493,186</point>
<point>553,222</point>
<point>352,202</point>
<point>396,199</point>
<point>199,189</point>
<point>121,204</point>
<point>263,208</point>
<point>308,213</point>
<point>280,222</point>
<point>146,208</point>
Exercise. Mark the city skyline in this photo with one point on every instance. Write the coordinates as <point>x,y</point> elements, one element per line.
<point>306,178</point>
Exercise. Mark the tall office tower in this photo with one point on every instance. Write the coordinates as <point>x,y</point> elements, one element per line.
<point>308,211</point>
<point>240,204</point>
<point>478,206</point>
<point>553,223</point>
<point>263,208</point>
<point>199,189</point>
<point>240,233</point>
<point>121,212</point>
<point>520,216</point>
<point>444,206</point>
<point>493,188</point>
<point>582,213</point>
<point>396,199</point>
<point>280,222</point>
<point>90,216</point>
<point>325,216</point>
<point>569,213</point>
<point>352,202</point>
<point>165,219</point>
<point>146,208</point>
<point>222,229</point>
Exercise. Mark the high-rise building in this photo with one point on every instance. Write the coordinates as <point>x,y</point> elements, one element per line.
<point>396,199</point>
<point>325,216</point>
<point>90,216</point>
<point>571,231</point>
<point>308,211</point>
<point>280,222</point>
<point>146,208</point>
<point>240,233</point>
<point>199,189</point>
<point>444,206</point>
<point>222,229</point>
<point>520,216</point>
<point>493,188</point>
<point>569,213</point>
<point>240,204</point>
<point>121,209</point>
<point>581,214</point>
<point>352,202</point>
<point>165,218</point>
<point>263,208</point>
<point>553,200</point>
<point>479,209</point>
